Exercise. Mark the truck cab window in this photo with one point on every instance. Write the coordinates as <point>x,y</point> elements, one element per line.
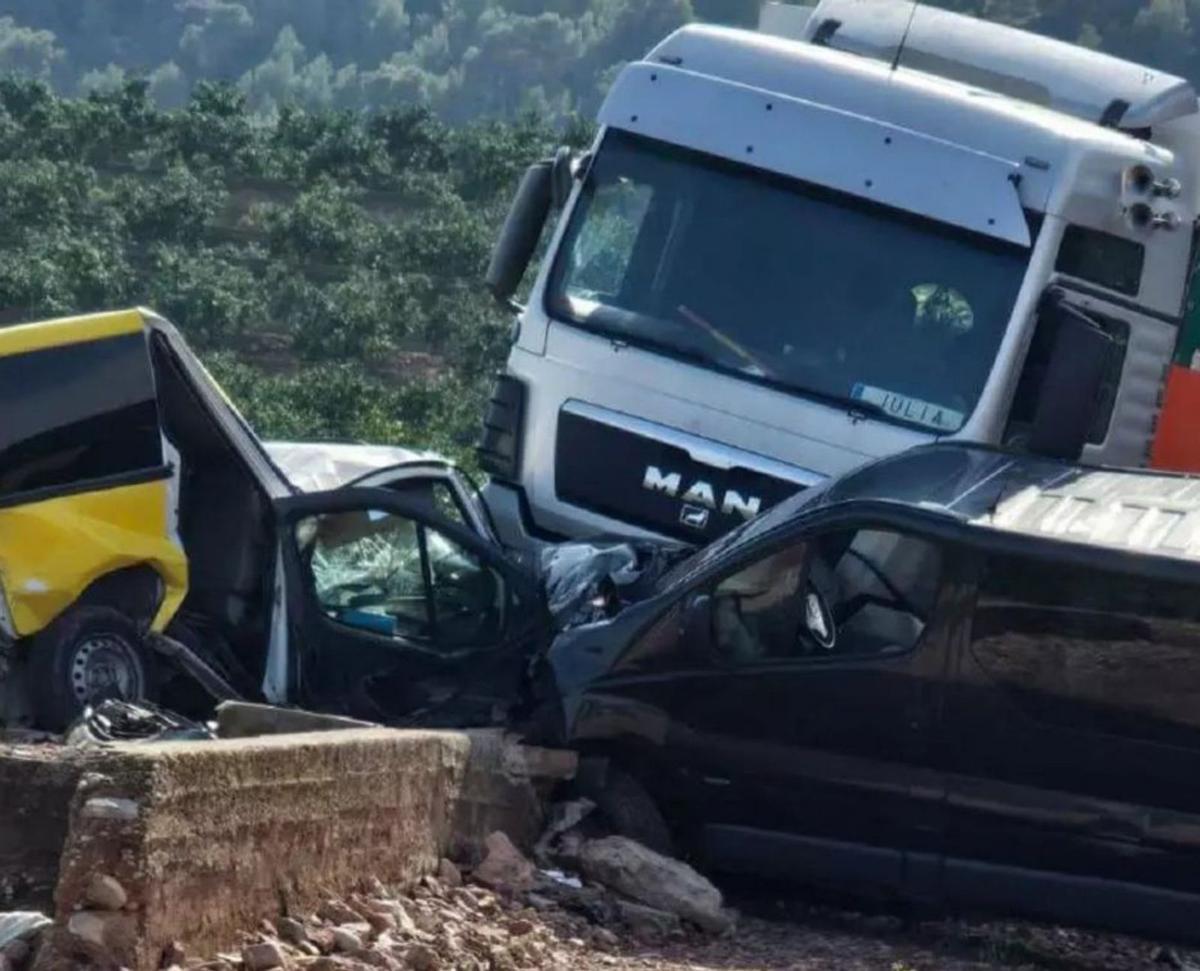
<point>1102,258</point>
<point>603,250</point>
<point>864,592</point>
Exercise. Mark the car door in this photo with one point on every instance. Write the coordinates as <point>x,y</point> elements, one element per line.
<point>1072,746</point>
<point>399,614</point>
<point>801,743</point>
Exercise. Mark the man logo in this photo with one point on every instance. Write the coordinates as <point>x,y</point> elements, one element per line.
<point>694,516</point>
<point>700,493</point>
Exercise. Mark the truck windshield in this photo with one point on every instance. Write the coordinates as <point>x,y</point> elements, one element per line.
<point>782,282</point>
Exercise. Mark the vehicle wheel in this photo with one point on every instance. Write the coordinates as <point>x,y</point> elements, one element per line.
<point>87,655</point>
<point>629,809</point>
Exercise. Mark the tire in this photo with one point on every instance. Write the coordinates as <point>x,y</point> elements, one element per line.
<point>630,810</point>
<point>87,655</point>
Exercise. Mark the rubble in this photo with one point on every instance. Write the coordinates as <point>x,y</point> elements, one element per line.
<point>655,880</point>
<point>504,867</point>
<point>105,893</point>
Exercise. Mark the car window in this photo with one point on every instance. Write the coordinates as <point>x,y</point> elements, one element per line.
<point>1092,650</point>
<point>469,597</point>
<point>77,413</point>
<point>380,572</point>
<point>368,573</point>
<point>846,593</point>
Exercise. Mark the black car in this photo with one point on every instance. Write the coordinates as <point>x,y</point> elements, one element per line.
<point>954,676</point>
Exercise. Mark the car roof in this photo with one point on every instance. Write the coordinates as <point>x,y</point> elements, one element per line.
<point>1142,512</point>
<point>322,466</point>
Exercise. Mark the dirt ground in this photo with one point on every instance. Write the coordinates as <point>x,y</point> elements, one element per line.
<point>442,926</point>
<point>825,942</point>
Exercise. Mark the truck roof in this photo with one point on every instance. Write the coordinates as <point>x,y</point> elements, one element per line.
<point>1025,497</point>
<point>944,108</point>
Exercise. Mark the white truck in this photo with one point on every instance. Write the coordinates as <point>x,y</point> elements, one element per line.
<point>863,227</point>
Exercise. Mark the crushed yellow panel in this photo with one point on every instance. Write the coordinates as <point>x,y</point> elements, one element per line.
<point>68,330</point>
<point>51,551</point>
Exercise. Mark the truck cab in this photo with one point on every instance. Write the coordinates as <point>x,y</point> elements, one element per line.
<point>865,227</point>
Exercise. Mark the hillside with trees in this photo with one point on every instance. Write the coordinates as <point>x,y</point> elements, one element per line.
<point>463,59</point>
<point>325,265</point>
<point>309,189</point>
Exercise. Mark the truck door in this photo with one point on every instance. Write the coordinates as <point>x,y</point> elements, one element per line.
<point>400,615</point>
<point>1072,746</point>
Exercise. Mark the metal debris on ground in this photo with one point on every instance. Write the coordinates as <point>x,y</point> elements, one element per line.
<point>123,721</point>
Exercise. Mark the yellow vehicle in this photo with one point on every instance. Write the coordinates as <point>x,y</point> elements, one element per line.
<point>94,413</point>
<point>152,548</point>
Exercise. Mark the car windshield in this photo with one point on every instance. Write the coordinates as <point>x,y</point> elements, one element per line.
<point>782,282</point>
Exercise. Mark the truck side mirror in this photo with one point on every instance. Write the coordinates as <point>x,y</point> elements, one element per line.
<point>1072,383</point>
<point>696,628</point>
<point>521,231</point>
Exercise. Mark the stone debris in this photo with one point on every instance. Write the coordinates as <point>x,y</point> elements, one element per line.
<point>448,874</point>
<point>263,956</point>
<point>655,880</point>
<point>115,810</point>
<point>505,867</point>
<point>506,916</point>
<point>347,939</point>
<point>105,893</point>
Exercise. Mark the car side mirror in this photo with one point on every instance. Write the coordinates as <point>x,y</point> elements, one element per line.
<point>1072,383</point>
<point>696,628</point>
<point>521,231</point>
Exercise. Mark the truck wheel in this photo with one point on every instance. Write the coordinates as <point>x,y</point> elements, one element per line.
<point>87,655</point>
<point>631,811</point>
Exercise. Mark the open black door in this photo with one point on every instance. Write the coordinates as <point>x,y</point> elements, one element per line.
<point>397,614</point>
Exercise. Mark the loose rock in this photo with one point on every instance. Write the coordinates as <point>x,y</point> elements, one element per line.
<point>421,957</point>
<point>647,923</point>
<point>654,880</point>
<point>292,930</point>
<point>173,955</point>
<point>347,940</point>
<point>504,867</point>
<point>113,810</point>
<point>263,956</point>
<point>338,912</point>
<point>105,893</point>
<point>449,874</point>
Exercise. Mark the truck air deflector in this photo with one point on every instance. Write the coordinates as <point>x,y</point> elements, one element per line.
<point>994,57</point>
<point>839,150</point>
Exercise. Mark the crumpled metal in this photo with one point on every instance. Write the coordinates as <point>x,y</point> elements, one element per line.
<point>587,582</point>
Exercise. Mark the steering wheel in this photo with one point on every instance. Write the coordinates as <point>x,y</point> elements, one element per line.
<point>818,626</point>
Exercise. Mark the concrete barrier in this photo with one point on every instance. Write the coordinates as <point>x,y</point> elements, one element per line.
<point>36,785</point>
<point>205,839</point>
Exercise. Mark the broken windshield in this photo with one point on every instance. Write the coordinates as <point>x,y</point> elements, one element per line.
<point>782,282</point>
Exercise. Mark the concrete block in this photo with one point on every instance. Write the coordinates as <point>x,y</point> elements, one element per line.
<point>36,785</point>
<point>234,831</point>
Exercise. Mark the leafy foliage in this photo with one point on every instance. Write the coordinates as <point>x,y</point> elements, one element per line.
<point>327,265</point>
<point>309,188</point>
<point>462,58</point>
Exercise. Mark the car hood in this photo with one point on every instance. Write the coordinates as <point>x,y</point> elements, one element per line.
<point>324,466</point>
